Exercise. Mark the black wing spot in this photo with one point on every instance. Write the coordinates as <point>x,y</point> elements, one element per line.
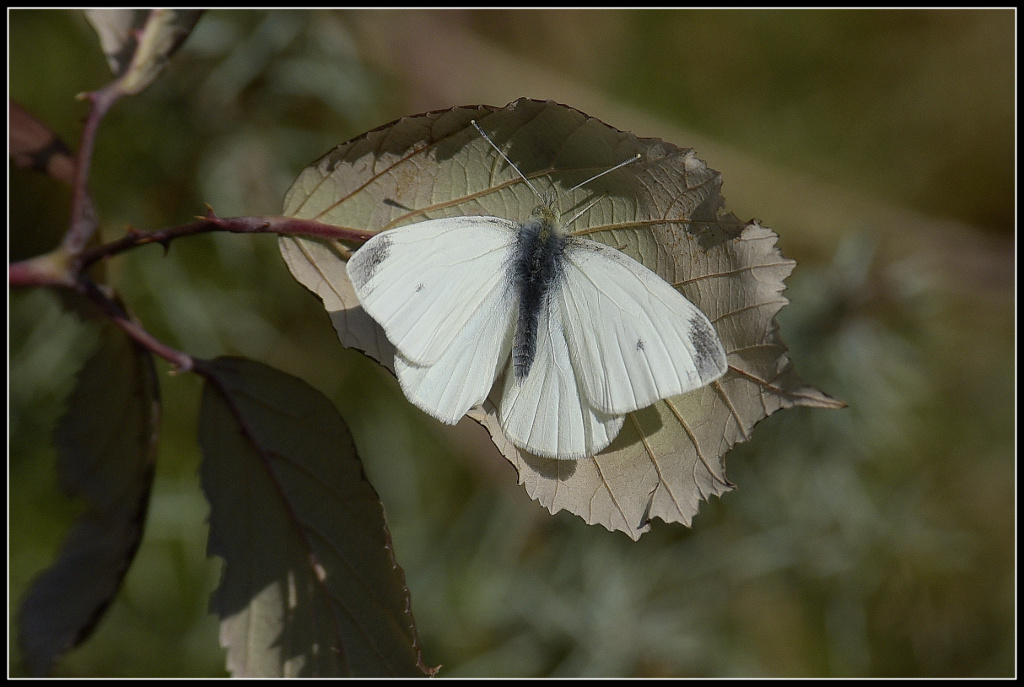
<point>640,345</point>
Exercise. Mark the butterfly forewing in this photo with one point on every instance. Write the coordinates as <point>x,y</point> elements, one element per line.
<point>424,282</point>
<point>633,338</point>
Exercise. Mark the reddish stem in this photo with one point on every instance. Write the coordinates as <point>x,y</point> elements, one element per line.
<point>283,226</point>
<point>182,362</point>
<point>83,217</point>
<point>29,273</point>
<point>52,269</point>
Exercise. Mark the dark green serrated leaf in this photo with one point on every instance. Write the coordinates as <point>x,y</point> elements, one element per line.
<point>138,43</point>
<point>310,584</point>
<point>106,445</point>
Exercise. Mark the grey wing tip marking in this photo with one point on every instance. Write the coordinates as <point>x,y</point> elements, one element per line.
<point>710,356</point>
<point>367,259</point>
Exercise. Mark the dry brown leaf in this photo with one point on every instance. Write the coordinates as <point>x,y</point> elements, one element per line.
<point>664,211</point>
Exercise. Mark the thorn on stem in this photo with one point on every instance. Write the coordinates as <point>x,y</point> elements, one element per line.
<point>211,216</point>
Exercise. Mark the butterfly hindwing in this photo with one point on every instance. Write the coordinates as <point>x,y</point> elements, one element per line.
<point>464,374</point>
<point>547,413</point>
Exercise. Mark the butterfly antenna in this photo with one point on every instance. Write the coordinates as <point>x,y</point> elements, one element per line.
<point>589,205</point>
<point>610,169</point>
<point>603,195</point>
<point>512,164</point>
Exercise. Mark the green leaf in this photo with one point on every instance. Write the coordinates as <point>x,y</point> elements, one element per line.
<point>310,584</point>
<point>106,444</point>
<point>138,43</point>
<point>665,211</point>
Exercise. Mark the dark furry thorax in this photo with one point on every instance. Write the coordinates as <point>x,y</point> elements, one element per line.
<point>537,270</point>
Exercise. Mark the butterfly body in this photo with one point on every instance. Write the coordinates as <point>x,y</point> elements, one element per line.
<point>536,269</point>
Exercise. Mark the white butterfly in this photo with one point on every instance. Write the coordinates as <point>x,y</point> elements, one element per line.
<point>582,333</point>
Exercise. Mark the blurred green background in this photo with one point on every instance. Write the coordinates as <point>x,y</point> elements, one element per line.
<point>877,540</point>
